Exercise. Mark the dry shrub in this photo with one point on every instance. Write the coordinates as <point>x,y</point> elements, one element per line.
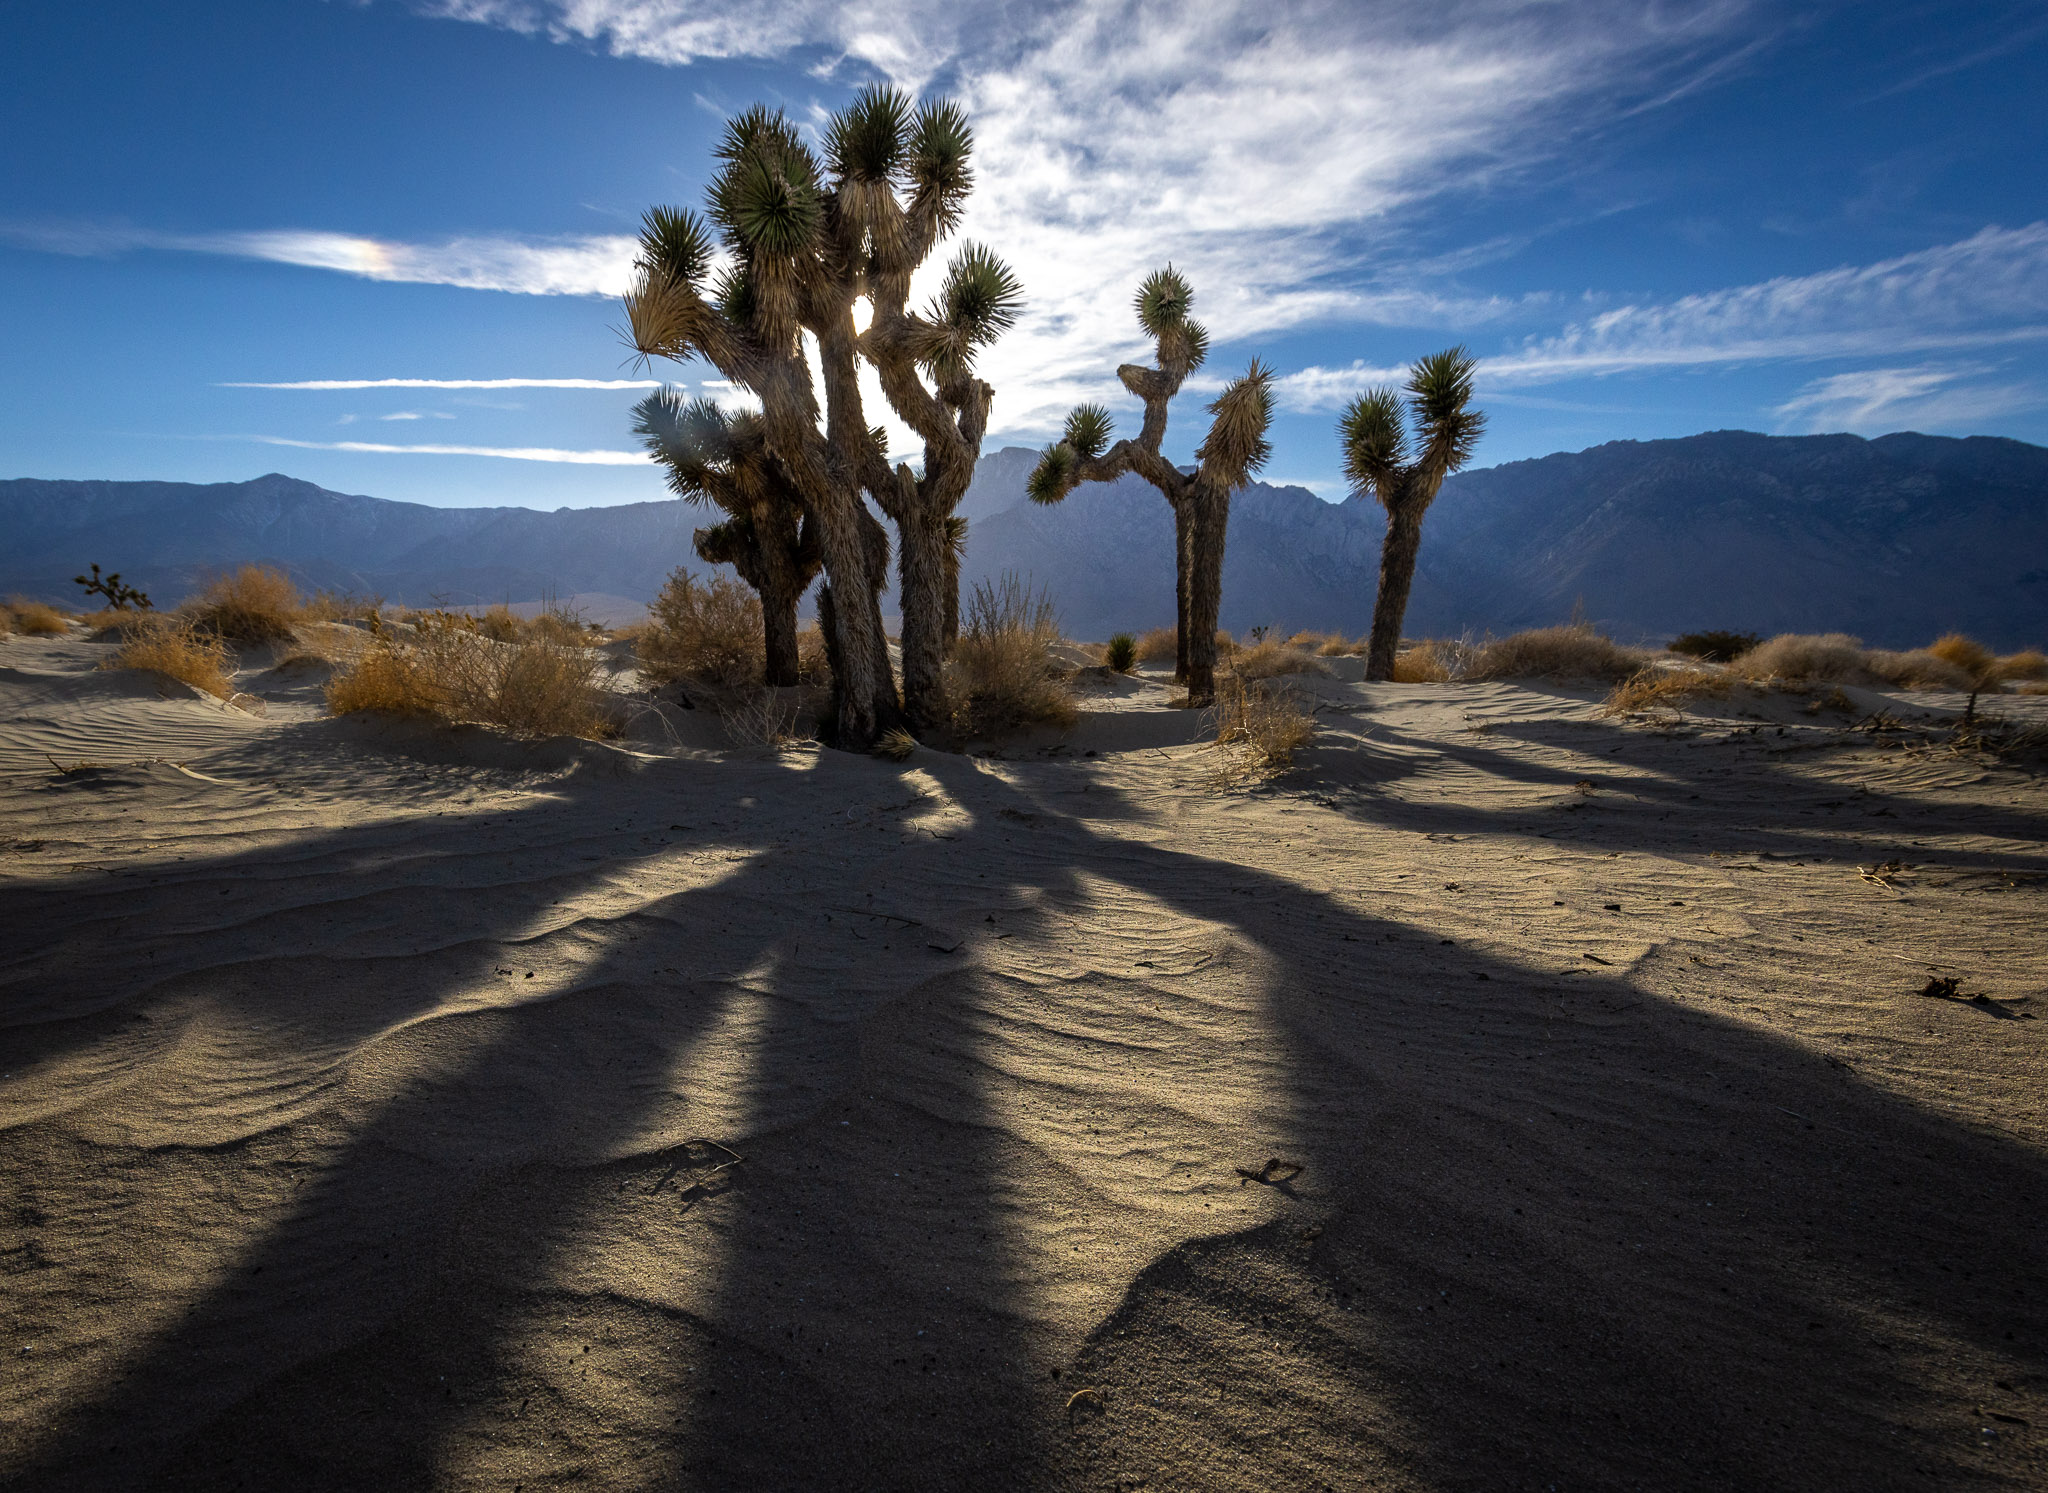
<point>1158,646</point>
<point>177,648</point>
<point>447,670</point>
<point>2028,663</point>
<point>1716,645</point>
<point>1667,689</point>
<point>707,631</point>
<point>342,606</point>
<point>761,717</point>
<point>1965,653</point>
<point>1264,722</point>
<point>1434,661</point>
<point>1573,651</point>
<point>255,604</point>
<point>813,660</point>
<point>1336,647</point>
<point>1225,644</point>
<point>1002,675</point>
<point>1828,657</point>
<point>35,618</point>
<point>1922,668</point>
<point>1270,659</point>
<point>499,625</point>
<point>2031,687</point>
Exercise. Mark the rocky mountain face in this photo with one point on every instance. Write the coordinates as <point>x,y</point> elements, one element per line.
<point>1895,539</point>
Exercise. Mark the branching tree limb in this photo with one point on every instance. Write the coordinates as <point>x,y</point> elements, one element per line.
<point>1377,460</point>
<point>1235,449</point>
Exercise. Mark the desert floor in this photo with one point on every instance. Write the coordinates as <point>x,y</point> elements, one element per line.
<point>391,1108</point>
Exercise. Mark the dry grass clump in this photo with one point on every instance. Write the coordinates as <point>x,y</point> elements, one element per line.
<point>706,631</point>
<point>813,659</point>
<point>255,604</point>
<point>1434,661</point>
<point>447,670</point>
<point>1325,644</point>
<point>1264,722</point>
<point>343,606</point>
<point>761,717</point>
<point>1919,668</point>
<point>1158,646</point>
<point>1002,675</point>
<point>33,618</point>
<point>1663,689</point>
<point>1716,645</point>
<point>174,646</point>
<point>1965,653</point>
<point>1269,659</point>
<point>2028,663</point>
<point>1572,651</point>
<point>1798,657</point>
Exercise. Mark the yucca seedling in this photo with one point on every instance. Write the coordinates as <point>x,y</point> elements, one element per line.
<point>1235,449</point>
<point>807,236</point>
<point>1121,653</point>
<point>896,744</point>
<point>1377,460</point>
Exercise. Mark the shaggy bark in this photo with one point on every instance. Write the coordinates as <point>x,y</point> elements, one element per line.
<point>1398,554</point>
<point>1209,519</point>
<point>776,552</point>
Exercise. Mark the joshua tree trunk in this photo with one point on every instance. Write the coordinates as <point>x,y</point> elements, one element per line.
<point>778,635</point>
<point>1209,519</point>
<point>1397,575</point>
<point>1183,570</point>
<point>861,687</point>
<point>923,551</point>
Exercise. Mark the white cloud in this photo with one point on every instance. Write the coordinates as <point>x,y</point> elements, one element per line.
<point>1260,145</point>
<point>595,266</point>
<point>509,453</point>
<point>1984,291</point>
<point>1929,396</point>
<point>456,383</point>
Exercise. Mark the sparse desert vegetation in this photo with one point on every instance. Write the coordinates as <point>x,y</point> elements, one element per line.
<point>1002,675</point>
<point>1570,651</point>
<point>1718,647</point>
<point>174,646</point>
<point>1155,646</point>
<point>441,666</point>
<point>1260,725</point>
<point>1120,653</point>
<point>33,619</point>
<point>704,630</point>
<point>248,605</point>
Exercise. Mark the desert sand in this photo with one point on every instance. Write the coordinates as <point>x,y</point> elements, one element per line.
<point>1509,1098</point>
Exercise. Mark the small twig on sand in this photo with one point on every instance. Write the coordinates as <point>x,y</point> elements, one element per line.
<point>1272,1174</point>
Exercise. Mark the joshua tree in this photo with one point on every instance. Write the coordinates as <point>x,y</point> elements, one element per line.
<point>1236,448</point>
<point>766,536</point>
<point>808,239</point>
<point>119,597</point>
<point>1376,459</point>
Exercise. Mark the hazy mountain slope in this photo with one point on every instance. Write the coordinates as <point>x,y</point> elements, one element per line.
<point>1896,539</point>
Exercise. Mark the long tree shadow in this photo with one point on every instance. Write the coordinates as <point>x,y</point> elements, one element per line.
<point>507,1264</point>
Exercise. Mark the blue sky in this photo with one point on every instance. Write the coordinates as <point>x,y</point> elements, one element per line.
<point>1648,219</point>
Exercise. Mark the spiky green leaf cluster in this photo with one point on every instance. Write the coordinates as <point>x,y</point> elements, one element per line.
<point>1374,443</point>
<point>675,242</point>
<point>868,139</point>
<point>1053,478</point>
<point>1237,443</point>
<point>1440,389</point>
<point>1088,431</point>
<point>1164,302</point>
<point>691,439</point>
<point>941,145</point>
<point>978,302</point>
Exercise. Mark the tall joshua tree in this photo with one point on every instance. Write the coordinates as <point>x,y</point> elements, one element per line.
<point>808,239</point>
<point>767,537</point>
<point>1377,460</point>
<point>1235,449</point>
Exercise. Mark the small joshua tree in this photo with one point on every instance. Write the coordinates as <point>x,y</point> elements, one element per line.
<point>1235,449</point>
<point>119,597</point>
<point>1376,459</point>
<point>723,459</point>
<point>807,240</point>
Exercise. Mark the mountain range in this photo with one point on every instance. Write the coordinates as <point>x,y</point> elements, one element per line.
<point>1894,539</point>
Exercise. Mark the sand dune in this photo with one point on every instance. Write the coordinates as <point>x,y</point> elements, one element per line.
<point>383,1107</point>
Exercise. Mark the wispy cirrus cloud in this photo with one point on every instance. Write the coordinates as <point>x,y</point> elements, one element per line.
<point>452,383</point>
<point>593,266</point>
<point>1988,290</point>
<point>508,453</point>
<point>1873,400</point>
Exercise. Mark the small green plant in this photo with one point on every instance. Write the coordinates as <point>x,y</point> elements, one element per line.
<point>1122,653</point>
<point>119,597</point>
<point>1715,647</point>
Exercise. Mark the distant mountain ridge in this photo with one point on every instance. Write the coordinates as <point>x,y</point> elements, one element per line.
<point>1895,539</point>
